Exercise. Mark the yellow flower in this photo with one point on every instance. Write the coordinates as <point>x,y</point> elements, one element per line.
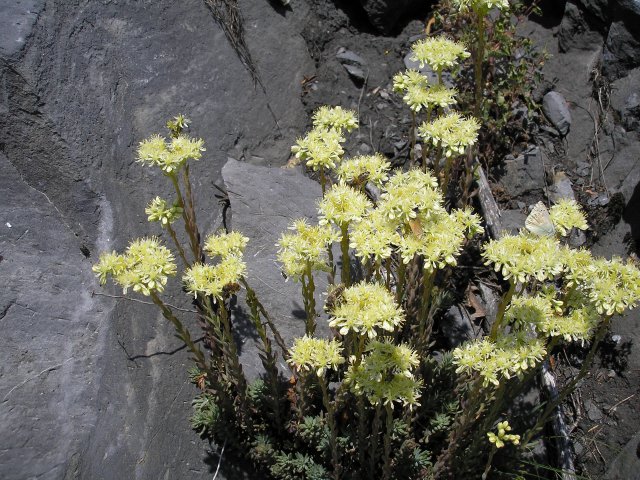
<point>145,267</point>
<point>320,148</point>
<point>385,374</point>
<point>335,118</point>
<point>438,52</point>
<point>453,133</point>
<point>363,169</point>
<point>169,157</point>
<point>499,438</point>
<point>211,280</point>
<point>407,193</point>
<point>225,244</point>
<point>316,354</point>
<point>307,248</point>
<point>342,205</point>
<point>159,211</point>
<point>366,309</point>
<point>482,6</point>
<point>566,215</point>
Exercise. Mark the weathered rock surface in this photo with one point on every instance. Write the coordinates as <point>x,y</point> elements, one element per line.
<point>525,172</point>
<point>625,99</point>
<point>623,40</point>
<point>626,466</point>
<point>556,110</point>
<point>264,203</point>
<point>94,387</point>
<point>576,30</point>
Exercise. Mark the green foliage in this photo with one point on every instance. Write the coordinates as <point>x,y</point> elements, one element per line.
<point>206,415</point>
<point>297,466</point>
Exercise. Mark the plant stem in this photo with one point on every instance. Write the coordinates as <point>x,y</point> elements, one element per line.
<point>570,387</point>
<point>504,303</point>
<point>427,287</point>
<point>402,270</point>
<point>193,239</point>
<point>173,235</point>
<point>374,441</point>
<point>478,61</point>
<point>346,262</point>
<point>386,472</point>
<point>308,297</point>
<point>267,357</point>
<point>182,332</point>
<point>488,466</point>
<point>191,211</point>
<point>362,433</point>
<point>412,152</point>
<point>333,439</point>
<point>323,181</point>
<point>331,277</point>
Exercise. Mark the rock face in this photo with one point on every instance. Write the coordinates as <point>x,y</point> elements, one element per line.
<point>92,387</point>
<point>623,41</point>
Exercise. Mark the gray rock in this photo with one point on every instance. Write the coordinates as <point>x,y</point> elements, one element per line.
<point>355,72</point>
<point>384,14</point>
<point>556,110</point>
<point>575,32</point>
<point>600,9</point>
<point>561,188</point>
<point>512,220</point>
<point>264,203</point>
<point>524,173</point>
<point>626,466</point>
<point>350,58</point>
<point>625,99</point>
<point>620,52</point>
<point>456,326</point>
<point>593,412</point>
<point>92,388</point>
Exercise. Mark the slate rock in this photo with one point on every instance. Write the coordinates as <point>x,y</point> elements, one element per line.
<point>556,110</point>
<point>52,339</point>
<point>600,9</point>
<point>625,99</point>
<point>626,466</point>
<point>76,97</point>
<point>593,412</point>
<point>355,72</point>
<point>575,30</point>
<point>623,41</point>
<point>620,51</point>
<point>456,326</point>
<point>350,58</point>
<point>353,63</point>
<point>264,203</point>
<point>524,173</point>
<point>512,220</point>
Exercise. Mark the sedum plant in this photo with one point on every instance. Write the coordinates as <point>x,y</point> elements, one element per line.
<point>382,396</point>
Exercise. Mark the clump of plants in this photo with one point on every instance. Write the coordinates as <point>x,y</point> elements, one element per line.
<point>380,397</point>
<point>504,69</point>
<point>375,399</point>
